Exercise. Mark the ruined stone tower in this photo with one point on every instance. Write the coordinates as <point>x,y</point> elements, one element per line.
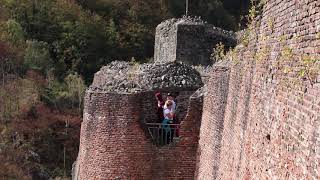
<point>115,142</point>
<point>189,40</point>
<point>258,116</point>
<point>120,105</point>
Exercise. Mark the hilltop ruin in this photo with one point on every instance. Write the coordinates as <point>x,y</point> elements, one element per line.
<point>254,119</point>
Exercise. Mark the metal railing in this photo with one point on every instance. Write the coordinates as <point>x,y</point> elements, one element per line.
<point>163,134</point>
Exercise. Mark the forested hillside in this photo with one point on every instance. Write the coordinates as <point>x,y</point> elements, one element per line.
<point>49,51</point>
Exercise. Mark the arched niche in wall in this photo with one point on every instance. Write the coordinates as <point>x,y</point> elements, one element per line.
<point>149,104</point>
<point>149,119</point>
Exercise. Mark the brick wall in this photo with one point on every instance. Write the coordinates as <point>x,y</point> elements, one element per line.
<point>179,161</point>
<point>271,121</point>
<point>212,123</point>
<point>114,145</point>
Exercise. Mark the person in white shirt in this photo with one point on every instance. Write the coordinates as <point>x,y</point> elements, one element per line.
<point>168,111</point>
<point>168,119</point>
<point>170,97</point>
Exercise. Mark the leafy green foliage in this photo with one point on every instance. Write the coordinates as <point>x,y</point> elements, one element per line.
<point>310,68</point>
<point>225,14</point>
<point>85,46</point>
<point>14,31</point>
<point>76,89</point>
<point>37,56</point>
<point>82,36</point>
<point>219,53</point>
<point>67,94</point>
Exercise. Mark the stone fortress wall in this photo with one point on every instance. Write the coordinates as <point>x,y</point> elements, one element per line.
<point>261,116</point>
<point>115,143</point>
<point>189,40</point>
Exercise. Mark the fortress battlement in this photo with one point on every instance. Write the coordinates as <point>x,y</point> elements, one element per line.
<point>257,116</point>
<point>189,40</point>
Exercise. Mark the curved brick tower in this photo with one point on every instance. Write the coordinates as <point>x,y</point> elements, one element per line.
<point>114,143</point>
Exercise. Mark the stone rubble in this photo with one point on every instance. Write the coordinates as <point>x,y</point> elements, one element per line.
<point>127,77</point>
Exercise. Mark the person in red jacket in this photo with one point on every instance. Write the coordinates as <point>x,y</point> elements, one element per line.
<point>160,107</point>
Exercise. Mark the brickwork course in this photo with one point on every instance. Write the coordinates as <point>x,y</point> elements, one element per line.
<point>258,116</point>
<point>114,142</point>
<point>269,125</point>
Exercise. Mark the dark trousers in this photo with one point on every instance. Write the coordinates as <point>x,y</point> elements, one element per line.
<point>166,132</point>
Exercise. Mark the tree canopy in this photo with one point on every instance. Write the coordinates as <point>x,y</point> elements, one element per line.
<point>82,35</point>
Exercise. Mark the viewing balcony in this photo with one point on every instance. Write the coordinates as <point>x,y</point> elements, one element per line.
<point>163,134</point>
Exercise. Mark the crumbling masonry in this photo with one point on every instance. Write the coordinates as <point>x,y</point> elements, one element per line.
<point>114,143</point>
<point>189,40</point>
<point>256,118</point>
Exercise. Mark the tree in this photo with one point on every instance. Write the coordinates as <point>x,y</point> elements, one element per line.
<point>4,55</point>
<point>212,11</point>
<point>37,56</point>
<point>76,89</point>
<point>83,35</point>
<point>25,95</point>
<point>66,94</point>
<point>15,33</point>
<point>84,46</point>
<point>9,61</point>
